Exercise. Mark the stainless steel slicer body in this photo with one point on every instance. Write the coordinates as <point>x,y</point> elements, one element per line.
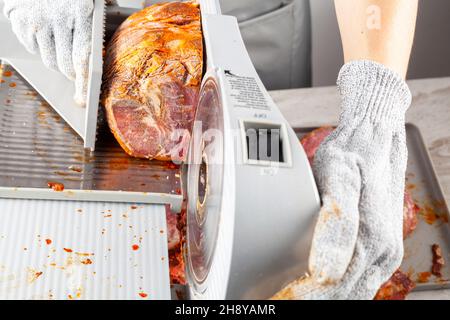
<point>252,199</point>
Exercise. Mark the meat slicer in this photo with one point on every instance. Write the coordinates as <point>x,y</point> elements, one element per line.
<point>251,197</point>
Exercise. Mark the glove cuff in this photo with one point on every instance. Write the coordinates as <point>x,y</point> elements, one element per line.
<point>371,91</point>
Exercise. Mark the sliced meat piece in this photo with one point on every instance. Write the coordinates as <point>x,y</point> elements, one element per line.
<point>152,75</point>
<point>173,234</point>
<point>312,141</point>
<point>410,212</point>
<point>396,288</point>
<point>438,260</point>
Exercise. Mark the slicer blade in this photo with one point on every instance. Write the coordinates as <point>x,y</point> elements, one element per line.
<point>205,183</point>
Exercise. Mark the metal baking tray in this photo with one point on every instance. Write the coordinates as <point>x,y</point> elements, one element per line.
<point>433,226</point>
<point>38,147</point>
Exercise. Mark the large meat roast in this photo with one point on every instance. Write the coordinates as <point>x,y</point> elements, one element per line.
<point>152,76</point>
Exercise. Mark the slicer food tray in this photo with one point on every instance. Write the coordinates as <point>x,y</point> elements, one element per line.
<point>38,147</point>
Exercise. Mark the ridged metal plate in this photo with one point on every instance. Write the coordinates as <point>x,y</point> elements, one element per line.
<point>82,250</point>
<point>38,147</point>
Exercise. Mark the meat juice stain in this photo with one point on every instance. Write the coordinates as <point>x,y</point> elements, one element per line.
<point>75,169</point>
<point>171,165</point>
<point>119,164</point>
<point>411,186</point>
<point>423,277</point>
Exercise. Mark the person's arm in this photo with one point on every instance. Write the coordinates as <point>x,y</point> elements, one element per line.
<point>378,30</point>
<point>360,168</point>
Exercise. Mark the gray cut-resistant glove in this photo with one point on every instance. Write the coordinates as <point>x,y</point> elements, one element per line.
<point>360,170</point>
<point>61,30</point>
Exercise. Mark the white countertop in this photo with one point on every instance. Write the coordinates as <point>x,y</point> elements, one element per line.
<point>430,111</point>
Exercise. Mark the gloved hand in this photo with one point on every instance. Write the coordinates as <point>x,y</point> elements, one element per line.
<point>61,31</point>
<point>360,172</point>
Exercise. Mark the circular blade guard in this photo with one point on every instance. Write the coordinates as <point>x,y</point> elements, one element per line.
<point>205,177</point>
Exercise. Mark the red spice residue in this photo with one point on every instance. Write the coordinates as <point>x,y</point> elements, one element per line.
<point>67,250</point>
<point>411,186</point>
<point>143,294</point>
<point>171,165</point>
<point>433,212</point>
<point>396,288</point>
<point>134,207</point>
<point>423,277</point>
<point>7,74</point>
<point>87,261</point>
<point>135,247</point>
<point>12,85</point>
<point>48,241</point>
<point>178,191</point>
<point>83,254</point>
<point>56,186</point>
<point>33,275</point>
<point>429,215</point>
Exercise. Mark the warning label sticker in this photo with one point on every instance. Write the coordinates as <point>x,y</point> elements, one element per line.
<point>245,92</point>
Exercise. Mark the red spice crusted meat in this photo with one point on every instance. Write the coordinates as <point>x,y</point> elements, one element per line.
<point>312,141</point>
<point>152,76</point>
<point>438,260</point>
<point>396,288</point>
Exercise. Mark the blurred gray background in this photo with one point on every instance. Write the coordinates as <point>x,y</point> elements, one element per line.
<point>265,26</point>
<point>431,52</point>
<point>296,43</point>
